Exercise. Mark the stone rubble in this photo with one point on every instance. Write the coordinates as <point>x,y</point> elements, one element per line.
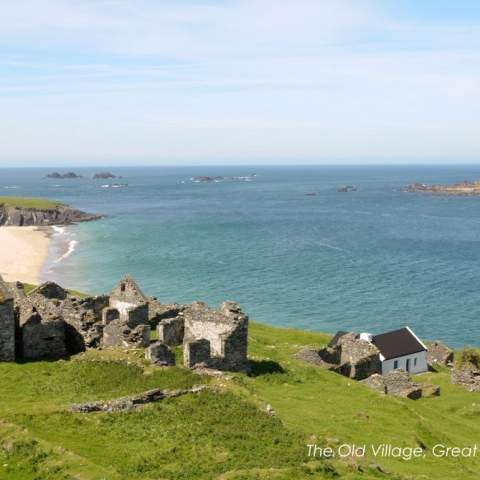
<point>439,354</point>
<point>467,376</point>
<point>132,402</point>
<point>399,383</point>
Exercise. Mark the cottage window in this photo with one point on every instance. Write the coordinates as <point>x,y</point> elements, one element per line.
<point>395,364</point>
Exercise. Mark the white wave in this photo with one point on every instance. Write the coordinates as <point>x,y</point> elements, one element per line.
<point>10,187</point>
<point>71,248</point>
<point>59,230</point>
<point>333,247</point>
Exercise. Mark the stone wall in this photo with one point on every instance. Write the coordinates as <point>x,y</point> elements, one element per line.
<point>439,354</point>
<point>161,311</point>
<point>196,353</point>
<point>119,334</point>
<point>171,330</point>
<point>160,354</point>
<point>399,383</point>
<point>225,328</point>
<point>7,330</point>
<point>43,339</point>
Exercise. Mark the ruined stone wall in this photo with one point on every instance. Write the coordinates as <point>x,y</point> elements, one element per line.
<point>136,316</point>
<point>235,348</point>
<point>171,330</point>
<point>43,339</point>
<point>160,311</point>
<point>7,330</point>
<point>84,321</point>
<point>196,353</point>
<point>121,306</point>
<point>119,334</point>
<point>226,329</point>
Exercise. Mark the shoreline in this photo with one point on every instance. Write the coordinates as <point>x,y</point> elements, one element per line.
<point>63,244</point>
<point>24,253</point>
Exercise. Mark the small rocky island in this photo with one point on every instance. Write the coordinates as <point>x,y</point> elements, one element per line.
<point>463,189</point>
<point>347,188</point>
<point>20,212</point>
<point>61,176</point>
<point>104,175</point>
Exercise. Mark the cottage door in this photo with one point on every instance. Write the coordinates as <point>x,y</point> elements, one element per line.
<point>408,365</point>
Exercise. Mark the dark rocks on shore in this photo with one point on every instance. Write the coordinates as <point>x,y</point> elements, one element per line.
<point>60,176</point>
<point>59,215</point>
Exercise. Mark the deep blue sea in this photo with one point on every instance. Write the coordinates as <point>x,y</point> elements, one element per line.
<point>371,260</point>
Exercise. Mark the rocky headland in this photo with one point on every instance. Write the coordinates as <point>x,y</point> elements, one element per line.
<point>20,216</point>
<point>464,188</point>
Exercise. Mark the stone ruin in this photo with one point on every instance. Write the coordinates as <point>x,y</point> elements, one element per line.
<point>467,376</point>
<point>439,354</point>
<point>216,338</point>
<point>398,383</point>
<point>356,358</point>
<point>349,355</point>
<point>51,323</point>
<point>467,371</point>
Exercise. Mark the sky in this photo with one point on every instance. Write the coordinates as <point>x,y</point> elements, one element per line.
<point>185,82</point>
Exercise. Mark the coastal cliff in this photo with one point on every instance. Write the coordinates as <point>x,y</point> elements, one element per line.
<point>19,216</point>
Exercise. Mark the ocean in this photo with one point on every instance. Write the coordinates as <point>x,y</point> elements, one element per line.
<point>371,260</point>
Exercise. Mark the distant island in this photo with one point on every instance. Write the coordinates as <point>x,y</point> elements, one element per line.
<point>104,175</point>
<point>19,211</point>
<point>347,188</point>
<point>221,178</point>
<point>60,176</point>
<point>463,189</point>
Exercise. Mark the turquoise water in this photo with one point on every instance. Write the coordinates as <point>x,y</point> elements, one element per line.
<point>373,260</point>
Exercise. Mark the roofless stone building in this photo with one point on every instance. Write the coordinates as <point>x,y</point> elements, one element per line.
<point>51,323</point>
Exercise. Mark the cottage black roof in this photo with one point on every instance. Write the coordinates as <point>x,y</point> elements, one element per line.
<point>398,343</point>
<point>336,338</point>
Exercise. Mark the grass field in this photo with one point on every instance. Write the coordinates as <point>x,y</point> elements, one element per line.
<point>25,202</point>
<point>223,433</point>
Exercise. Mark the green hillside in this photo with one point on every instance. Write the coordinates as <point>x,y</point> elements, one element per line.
<point>223,433</point>
<point>26,202</point>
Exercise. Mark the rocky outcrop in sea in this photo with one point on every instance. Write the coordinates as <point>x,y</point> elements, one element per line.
<point>60,176</point>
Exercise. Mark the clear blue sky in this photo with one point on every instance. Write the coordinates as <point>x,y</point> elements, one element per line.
<point>249,81</point>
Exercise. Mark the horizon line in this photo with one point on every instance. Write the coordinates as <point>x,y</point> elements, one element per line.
<point>243,165</point>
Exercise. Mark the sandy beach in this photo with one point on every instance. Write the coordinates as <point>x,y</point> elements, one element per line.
<point>23,252</point>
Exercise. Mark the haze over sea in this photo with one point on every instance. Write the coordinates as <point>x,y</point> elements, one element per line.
<point>371,260</point>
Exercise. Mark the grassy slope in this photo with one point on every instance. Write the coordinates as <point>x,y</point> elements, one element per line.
<point>224,435</point>
<point>25,202</point>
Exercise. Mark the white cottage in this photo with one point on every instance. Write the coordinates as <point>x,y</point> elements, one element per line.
<point>400,349</point>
